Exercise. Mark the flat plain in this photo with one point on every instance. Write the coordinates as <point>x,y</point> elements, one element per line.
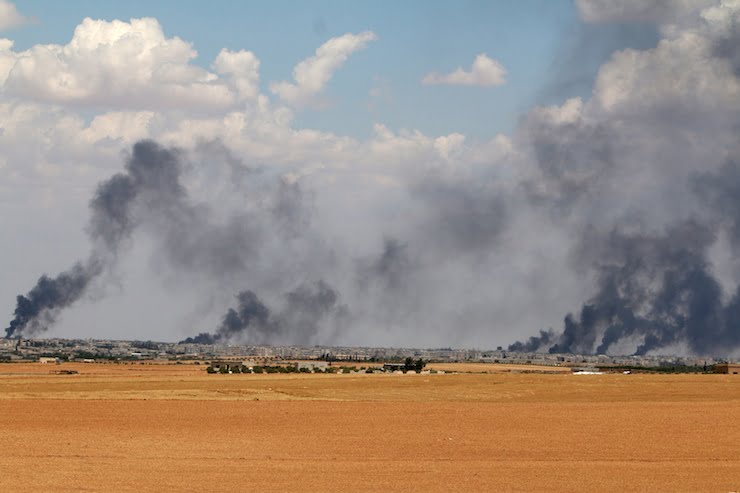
<point>157,427</point>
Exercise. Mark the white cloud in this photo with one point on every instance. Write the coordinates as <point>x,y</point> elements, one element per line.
<point>447,145</point>
<point>129,65</point>
<point>635,81</point>
<point>485,72</point>
<point>312,74</point>
<point>10,17</point>
<point>243,66</point>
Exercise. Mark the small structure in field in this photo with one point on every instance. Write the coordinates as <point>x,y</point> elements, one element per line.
<point>224,366</point>
<point>727,368</point>
<point>46,361</point>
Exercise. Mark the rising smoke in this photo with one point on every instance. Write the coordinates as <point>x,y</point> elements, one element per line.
<point>304,308</point>
<point>655,291</point>
<point>111,224</point>
<point>38,309</point>
<point>622,208</point>
<point>150,195</point>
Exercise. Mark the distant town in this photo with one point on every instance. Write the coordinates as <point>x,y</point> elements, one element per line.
<point>117,350</point>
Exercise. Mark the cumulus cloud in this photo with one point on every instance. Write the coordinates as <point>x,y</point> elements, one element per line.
<point>10,17</point>
<point>312,74</point>
<point>126,65</point>
<point>485,72</point>
<point>243,67</point>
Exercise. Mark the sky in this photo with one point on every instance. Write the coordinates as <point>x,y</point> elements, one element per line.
<point>459,174</point>
<point>379,84</point>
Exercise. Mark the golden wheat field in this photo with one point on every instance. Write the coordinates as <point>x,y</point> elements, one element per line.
<point>175,428</point>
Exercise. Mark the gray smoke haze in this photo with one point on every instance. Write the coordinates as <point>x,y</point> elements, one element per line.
<point>584,48</point>
<point>572,159</point>
<point>614,219</point>
<point>720,191</point>
<point>726,45</point>
<point>391,268</point>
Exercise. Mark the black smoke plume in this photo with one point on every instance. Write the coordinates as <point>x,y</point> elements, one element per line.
<point>38,309</point>
<point>534,343</point>
<point>150,195</point>
<point>654,291</point>
<point>151,176</point>
<point>111,223</point>
<point>250,317</point>
<point>298,322</point>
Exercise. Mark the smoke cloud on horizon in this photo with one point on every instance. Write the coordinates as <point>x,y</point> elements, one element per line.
<point>606,225</point>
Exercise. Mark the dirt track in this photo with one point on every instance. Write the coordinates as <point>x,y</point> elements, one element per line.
<point>175,428</point>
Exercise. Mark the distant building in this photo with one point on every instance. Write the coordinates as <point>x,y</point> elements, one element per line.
<point>226,365</point>
<point>44,360</point>
<point>728,368</point>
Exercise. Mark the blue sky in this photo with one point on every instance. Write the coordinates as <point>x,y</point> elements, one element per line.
<point>531,39</point>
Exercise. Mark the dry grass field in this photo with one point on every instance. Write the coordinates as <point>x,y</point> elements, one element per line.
<point>496,368</point>
<point>176,428</point>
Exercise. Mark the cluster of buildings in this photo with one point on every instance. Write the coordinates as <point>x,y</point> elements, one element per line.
<point>101,349</point>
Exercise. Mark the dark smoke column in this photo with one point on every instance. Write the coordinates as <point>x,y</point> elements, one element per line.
<point>38,309</point>
<point>150,169</point>
<point>305,308</point>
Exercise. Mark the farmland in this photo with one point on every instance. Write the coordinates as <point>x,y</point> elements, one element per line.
<point>134,427</point>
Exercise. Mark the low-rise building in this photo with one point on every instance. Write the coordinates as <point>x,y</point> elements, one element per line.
<point>728,368</point>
